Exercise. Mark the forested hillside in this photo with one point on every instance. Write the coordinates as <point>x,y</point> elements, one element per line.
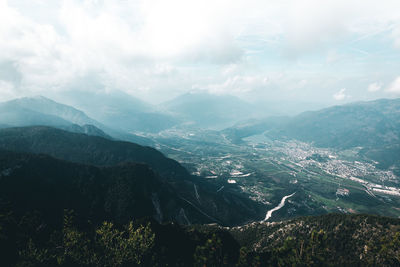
<point>199,199</point>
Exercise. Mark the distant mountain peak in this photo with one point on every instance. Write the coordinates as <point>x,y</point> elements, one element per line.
<point>209,110</point>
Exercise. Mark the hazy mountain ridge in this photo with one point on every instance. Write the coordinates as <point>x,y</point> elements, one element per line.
<point>47,106</point>
<point>336,121</point>
<point>41,111</point>
<point>373,123</point>
<point>13,115</point>
<point>123,112</point>
<point>208,110</point>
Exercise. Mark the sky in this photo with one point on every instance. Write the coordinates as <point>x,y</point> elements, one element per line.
<point>310,51</point>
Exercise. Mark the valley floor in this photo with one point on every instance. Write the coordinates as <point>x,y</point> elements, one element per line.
<point>325,180</point>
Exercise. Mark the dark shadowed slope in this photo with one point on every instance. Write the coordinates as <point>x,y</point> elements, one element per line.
<point>221,207</point>
<point>85,149</point>
<point>46,186</point>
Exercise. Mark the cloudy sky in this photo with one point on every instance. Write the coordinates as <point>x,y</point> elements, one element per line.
<point>288,50</point>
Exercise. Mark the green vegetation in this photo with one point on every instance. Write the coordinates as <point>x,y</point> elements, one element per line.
<point>330,240</point>
<point>105,246</point>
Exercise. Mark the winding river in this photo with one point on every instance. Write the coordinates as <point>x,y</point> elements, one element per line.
<point>269,213</point>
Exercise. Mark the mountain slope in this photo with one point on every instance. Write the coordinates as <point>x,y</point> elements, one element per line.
<point>14,115</point>
<point>49,107</point>
<point>30,181</point>
<point>118,193</point>
<point>366,124</point>
<point>85,149</point>
<point>200,195</point>
<point>87,129</point>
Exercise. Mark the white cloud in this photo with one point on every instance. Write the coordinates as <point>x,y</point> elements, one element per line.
<point>149,47</point>
<point>307,26</point>
<point>122,42</point>
<point>192,29</point>
<point>394,87</point>
<point>341,95</point>
<point>319,26</point>
<point>374,87</point>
